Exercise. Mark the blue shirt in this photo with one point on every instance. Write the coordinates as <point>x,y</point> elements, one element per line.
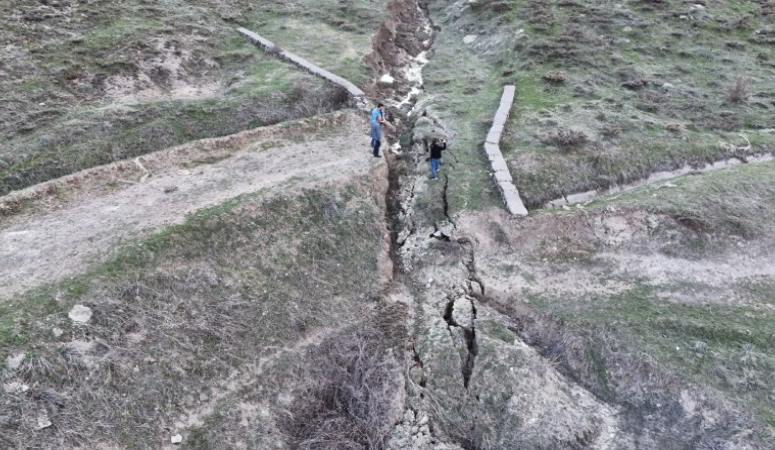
<point>375,115</point>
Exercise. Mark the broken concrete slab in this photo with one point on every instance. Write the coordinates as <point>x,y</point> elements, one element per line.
<point>271,47</point>
<point>512,199</point>
<point>491,149</point>
<point>499,166</point>
<point>501,117</point>
<point>502,177</point>
<point>494,137</point>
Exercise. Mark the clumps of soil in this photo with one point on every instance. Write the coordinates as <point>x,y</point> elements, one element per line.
<point>635,84</point>
<point>554,77</point>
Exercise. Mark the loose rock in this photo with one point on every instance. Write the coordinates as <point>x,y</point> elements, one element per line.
<point>80,314</point>
<point>13,362</point>
<point>43,421</point>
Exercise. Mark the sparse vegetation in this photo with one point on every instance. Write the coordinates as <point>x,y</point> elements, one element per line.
<point>554,77</point>
<point>566,139</point>
<point>344,398</point>
<point>638,63</point>
<point>91,84</point>
<point>738,92</point>
<point>175,314</point>
<point>738,201</point>
<point>640,320</point>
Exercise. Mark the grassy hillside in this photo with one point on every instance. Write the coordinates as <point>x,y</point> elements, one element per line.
<point>85,84</point>
<point>184,320</point>
<point>710,325</point>
<point>606,94</point>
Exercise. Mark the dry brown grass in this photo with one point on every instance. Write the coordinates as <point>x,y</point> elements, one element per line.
<point>180,313</point>
<point>554,77</point>
<point>345,396</point>
<point>566,139</point>
<point>738,92</point>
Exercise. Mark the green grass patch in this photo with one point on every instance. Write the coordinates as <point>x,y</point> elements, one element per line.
<point>75,110</point>
<point>738,200</point>
<point>726,347</point>
<point>647,85</point>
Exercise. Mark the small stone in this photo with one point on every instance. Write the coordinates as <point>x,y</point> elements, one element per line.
<point>470,39</point>
<point>57,332</point>
<point>43,421</point>
<point>667,86</point>
<point>13,362</point>
<point>15,387</point>
<point>386,79</point>
<point>177,439</point>
<point>80,314</point>
<point>203,397</point>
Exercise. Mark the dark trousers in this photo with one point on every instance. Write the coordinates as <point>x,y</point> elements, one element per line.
<point>375,144</point>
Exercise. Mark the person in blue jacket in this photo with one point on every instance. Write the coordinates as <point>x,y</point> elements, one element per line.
<point>377,119</point>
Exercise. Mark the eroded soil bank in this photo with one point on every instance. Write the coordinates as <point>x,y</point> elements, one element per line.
<point>487,370</point>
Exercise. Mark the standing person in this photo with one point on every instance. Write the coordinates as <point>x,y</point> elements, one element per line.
<point>377,119</point>
<point>437,146</point>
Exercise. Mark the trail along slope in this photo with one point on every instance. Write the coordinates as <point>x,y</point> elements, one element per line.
<point>52,245</point>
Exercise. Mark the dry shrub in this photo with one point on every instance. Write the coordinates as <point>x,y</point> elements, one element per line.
<point>345,395</point>
<point>554,77</point>
<point>738,92</point>
<point>610,130</point>
<point>635,84</point>
<point>566,139</point>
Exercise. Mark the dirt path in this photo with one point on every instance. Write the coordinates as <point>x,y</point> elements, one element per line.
<point>51,245</point>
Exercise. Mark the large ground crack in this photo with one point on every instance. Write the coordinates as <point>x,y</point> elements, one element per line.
<point>470,263</point>
<point>445,201</point>
<point>460,316</point>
